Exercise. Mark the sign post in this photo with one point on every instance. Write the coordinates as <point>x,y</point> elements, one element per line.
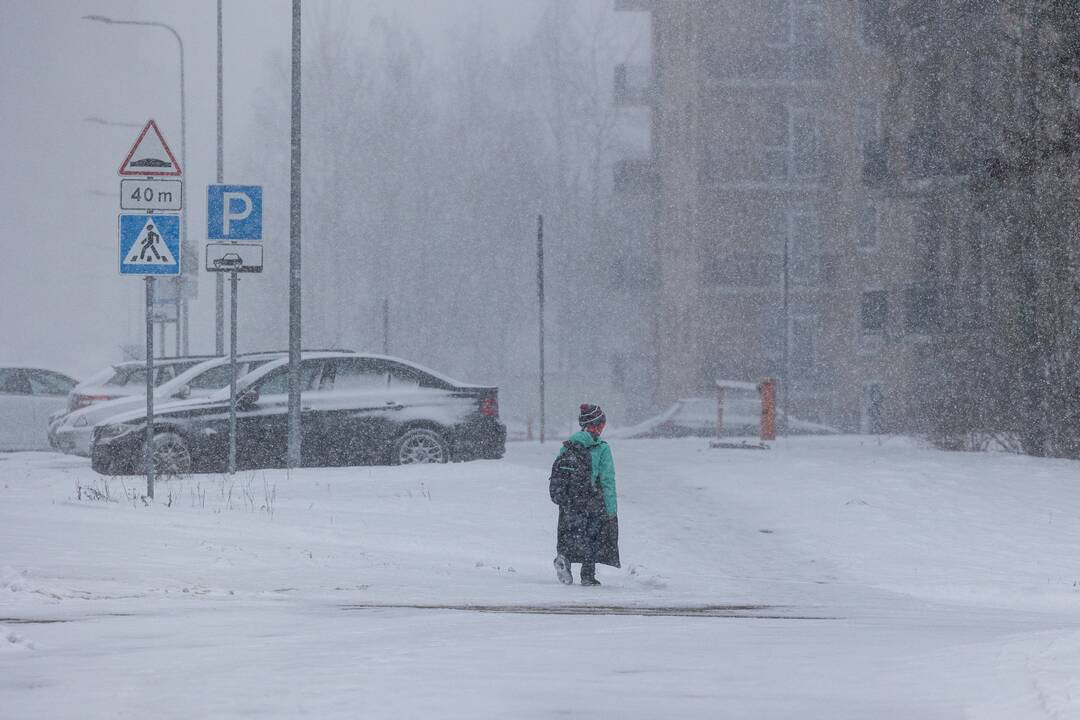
<point>233,213</point>
<point>148,443</point>
<point>150,244</point>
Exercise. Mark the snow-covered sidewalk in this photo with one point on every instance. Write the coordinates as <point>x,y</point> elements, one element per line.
<point>894,580</point>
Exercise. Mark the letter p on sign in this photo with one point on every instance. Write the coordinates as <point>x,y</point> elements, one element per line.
<point>234,212</point>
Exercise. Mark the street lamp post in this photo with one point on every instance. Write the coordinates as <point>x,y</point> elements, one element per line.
<point>181,307</point>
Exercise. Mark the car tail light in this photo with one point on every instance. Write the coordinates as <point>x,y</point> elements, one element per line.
<point>489,406</point>
<point>81,401</point>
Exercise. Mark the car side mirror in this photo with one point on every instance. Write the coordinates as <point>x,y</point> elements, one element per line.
<point>183,393</point>
<point>247,398</point>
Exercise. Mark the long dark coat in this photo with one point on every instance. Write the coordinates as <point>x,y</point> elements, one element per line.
<point>588,535</point>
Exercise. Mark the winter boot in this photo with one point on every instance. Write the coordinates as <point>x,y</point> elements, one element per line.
<point>562,570</point>
<point>588,574</point>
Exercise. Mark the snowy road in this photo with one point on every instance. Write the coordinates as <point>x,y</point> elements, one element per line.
<point>898,582</point>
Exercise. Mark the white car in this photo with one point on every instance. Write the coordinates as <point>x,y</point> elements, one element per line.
<point>73,432</point>
<point>128,378</point>
<point>27,398</point>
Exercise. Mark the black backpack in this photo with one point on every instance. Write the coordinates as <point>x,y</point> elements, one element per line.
<point>570,482</point>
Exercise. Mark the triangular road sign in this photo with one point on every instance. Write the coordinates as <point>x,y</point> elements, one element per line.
<point>150,155</point>
<point>149,247</point>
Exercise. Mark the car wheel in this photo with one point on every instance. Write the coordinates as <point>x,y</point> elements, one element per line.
<point>171,456</point>
<point>420,445</point>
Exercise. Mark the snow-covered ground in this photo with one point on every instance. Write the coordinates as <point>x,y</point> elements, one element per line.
<point>893,581</point>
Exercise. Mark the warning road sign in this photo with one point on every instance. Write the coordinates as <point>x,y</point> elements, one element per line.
<point>150,155</point>
<point>149,244</point>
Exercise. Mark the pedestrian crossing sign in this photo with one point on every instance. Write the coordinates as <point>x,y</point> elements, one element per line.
<point>149,244</point>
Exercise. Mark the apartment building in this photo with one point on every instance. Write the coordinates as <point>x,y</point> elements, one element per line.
<point>773,251</point>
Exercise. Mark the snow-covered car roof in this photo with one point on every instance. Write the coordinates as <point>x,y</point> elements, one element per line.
<point>263,370</point>
<point>320,355</point>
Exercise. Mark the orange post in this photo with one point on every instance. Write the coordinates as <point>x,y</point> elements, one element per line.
<point>767,390</point>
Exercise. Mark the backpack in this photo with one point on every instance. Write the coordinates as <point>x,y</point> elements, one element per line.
<point>571,482</point>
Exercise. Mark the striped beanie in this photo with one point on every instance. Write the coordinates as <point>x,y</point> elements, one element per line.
<point>591,415</point>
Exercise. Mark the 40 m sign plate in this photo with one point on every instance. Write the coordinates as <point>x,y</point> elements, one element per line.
<point>151,194</point>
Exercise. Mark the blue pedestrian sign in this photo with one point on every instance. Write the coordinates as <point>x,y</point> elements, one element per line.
<point>234,212</point>
<point>149,244</point>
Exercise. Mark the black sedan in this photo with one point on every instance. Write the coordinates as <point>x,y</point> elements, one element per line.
<point>355,409</point>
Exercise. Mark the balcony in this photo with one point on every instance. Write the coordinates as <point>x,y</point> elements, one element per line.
<point>633,5</point>
<point>633,85</point>
<point>792,64</point>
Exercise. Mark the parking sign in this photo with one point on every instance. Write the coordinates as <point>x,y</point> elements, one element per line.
<point>234,212</point>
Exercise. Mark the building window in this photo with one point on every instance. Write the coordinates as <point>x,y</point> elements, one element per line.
<point>868,120</point>
<point>791,144</point>
<point>778,22</point>
<point>874,312</point>
<point>872,417</point>
<point>777,138</point>
<point>794,22</point>
<point>927,238</point>
<point>804,143</point>
<point>873,18</point>
<point>868,225</point>
<point>923,308</point>
<point>804,246</point>
<point>803,344</point>
<point>796,230</point>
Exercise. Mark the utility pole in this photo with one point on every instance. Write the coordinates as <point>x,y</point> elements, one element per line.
<point>219,280</point>
<point>294,251</point>
<point>540,292</point>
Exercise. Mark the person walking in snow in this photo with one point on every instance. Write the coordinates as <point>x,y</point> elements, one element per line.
<point>583,486</point>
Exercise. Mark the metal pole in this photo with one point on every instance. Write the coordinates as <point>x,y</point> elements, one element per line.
<point>232,376</point>
<point>785,395</point>
<point>386,326</point>
<point>540,291</point>
<point>219,278</point>
<point>148,444</point>
<point>185,250</point>
<point>294,251</point>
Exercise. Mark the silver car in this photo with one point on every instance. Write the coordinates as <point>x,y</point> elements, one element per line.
<point>73,432</point>
<point>28,396</point>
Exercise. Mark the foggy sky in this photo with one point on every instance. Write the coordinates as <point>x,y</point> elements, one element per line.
<point>64,305</point>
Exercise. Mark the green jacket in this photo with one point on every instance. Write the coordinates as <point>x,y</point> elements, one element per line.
<point>603,468</point>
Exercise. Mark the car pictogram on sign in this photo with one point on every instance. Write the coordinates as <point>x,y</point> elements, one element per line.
<point>228,260</point>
